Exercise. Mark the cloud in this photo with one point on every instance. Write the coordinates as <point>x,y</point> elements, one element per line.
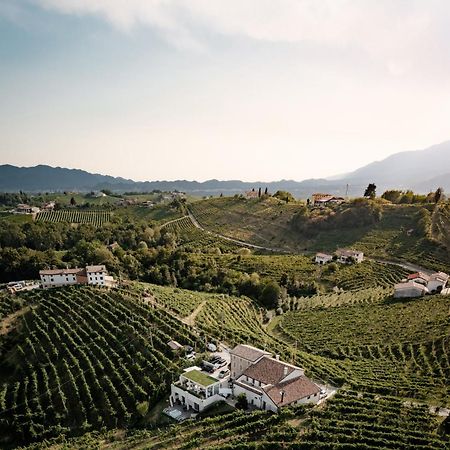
<point>397,33</point>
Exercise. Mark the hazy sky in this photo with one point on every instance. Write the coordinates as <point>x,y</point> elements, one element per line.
<point>228,89</point>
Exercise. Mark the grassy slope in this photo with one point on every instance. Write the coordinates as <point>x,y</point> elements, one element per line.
<point>267,222</point>
<point>394,349</point>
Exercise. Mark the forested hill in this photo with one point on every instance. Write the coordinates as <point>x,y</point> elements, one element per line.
<point>421,171</point>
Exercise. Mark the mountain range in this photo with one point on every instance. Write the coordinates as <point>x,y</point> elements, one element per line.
<point>420,170</point>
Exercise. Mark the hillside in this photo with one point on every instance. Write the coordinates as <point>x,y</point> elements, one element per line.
<point>91,355</point>
<point>380,230</point>
<point>82,359</point>
<point>421,170</point>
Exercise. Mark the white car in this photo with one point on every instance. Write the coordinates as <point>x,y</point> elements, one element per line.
<point>211,347</point>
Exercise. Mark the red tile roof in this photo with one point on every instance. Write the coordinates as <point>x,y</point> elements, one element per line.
<point>248,352</point>
<point>269,370</point>
<point>293,390</point>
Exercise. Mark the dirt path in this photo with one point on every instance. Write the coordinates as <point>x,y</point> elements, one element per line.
<point>236,241</point>
<point>405,265</point>
<point>172,221</point>
<point>7,324</point>
<point>190,320</point>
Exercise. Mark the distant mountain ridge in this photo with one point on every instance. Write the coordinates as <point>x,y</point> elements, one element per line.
<point>421,171</point>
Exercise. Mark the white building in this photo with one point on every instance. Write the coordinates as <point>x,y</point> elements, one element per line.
<point>323,258</point>
<point>437,282</point>
<point>434,283</point>
<point>62,277</point>
<point>270,384</point>
<point>409,289</point>
<point>195,390</point>
<point>92,275</point>
<point>346,256</point>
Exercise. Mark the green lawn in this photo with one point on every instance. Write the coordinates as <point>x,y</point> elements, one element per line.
<point>199,377</point>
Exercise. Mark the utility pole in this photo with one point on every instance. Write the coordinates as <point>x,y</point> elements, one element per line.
<point>346,192</point>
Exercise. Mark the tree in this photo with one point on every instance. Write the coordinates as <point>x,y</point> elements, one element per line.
<point>266,192</point>
<point>270,294</point>
<point>370,191</point>
<point>438,195</point>
<point>242,402</point>
<point>73,202</point>
<point>284,195</point>
<point>259,192</point>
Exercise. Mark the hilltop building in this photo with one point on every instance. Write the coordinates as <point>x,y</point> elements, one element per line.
<point>195,390</point>
<point>269,383</point>
<point>418,284</point>
<point>323,258</point>
<point>266,382</point>
<point>23,208</point>
<point>346,256</point>
<point>91,275</point>
<point>343,255</point>
<point>319,199</point>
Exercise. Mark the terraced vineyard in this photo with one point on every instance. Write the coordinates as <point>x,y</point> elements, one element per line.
<point>261,222</point>
<point>84,360</point>
<point>195,238</point>
<point>397,348</point>
<point>350,420</point>
<point>96,218</point>
<point>367,275</point>
<point>10,304</point>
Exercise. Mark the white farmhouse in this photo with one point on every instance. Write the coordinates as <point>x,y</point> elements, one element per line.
<point>270,384</point>
<point>323,258</point>
<point>195,390</point>
<point>62,277</point>
<point>437,282</point>
<point>409,289</point>
<point>346,256</point>
<point>92,275</point>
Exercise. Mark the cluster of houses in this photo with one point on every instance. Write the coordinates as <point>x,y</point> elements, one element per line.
<point>342,255</point>
<point>23,208</point>
<point>265,381</point>
<point>419,284</point>
<point>91,275</point>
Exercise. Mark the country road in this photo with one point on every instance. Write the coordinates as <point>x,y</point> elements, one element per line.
<point>236,241</point>
<point>404,264</point>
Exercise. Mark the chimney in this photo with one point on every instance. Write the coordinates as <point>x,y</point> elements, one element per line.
<point>282,396</point>
<point>285,371</point>
<point>277,357</point>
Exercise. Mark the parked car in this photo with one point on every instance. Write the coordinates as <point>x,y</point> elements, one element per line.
<point>190,356</point>
<point>223,373</point>
<point>211,347</point>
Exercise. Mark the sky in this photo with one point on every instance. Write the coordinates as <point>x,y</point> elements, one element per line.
<point>225,89</point>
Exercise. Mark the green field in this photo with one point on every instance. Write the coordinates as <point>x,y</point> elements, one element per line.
<point>96,218</point>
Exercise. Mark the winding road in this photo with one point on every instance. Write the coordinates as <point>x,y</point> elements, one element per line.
<point>404,264</point>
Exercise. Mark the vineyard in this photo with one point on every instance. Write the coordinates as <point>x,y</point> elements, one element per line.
<point>84,360</point>
<point>96,218</point>
<point>194,238</point>
<point>396,348</point>
<point>261,222</point>
<point>350,420</point>
<point>301,268</point>
<point>353,420</point>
